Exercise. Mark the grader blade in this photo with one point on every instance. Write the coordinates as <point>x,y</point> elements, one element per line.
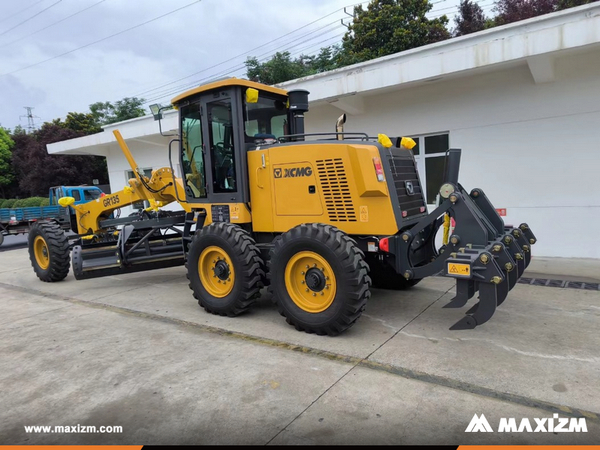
<point>140,246</point>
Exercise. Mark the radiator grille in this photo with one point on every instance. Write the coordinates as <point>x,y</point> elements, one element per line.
<point>403,169</point>
<point>334,185</point>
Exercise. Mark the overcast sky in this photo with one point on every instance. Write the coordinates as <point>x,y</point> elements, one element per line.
<point>55,64</point>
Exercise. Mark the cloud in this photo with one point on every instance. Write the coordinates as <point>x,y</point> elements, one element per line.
<point>191,40</point>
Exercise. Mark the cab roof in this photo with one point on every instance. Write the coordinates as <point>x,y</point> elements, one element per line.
<point>227,83</point>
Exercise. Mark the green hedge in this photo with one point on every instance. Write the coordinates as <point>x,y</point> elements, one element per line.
<point>8,203</point>
<point>24,202</point>
<point>33,201</point>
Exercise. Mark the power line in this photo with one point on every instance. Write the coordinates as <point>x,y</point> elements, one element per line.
<point>262,57</point>
<point>161,94</point>
<point>19,12</point>
<point>103,39</point>
<point>232,70</point>
<point>242,54</point>
<point>52,24</point>
<point>249,51</point>
<point>28,19</point>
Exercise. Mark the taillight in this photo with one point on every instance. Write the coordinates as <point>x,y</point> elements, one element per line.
<point>384,245</point>
<point>404,213</point>
<point>378,168</point>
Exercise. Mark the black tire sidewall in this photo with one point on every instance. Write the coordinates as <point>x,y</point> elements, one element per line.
<point>34,232</point>
<point>218,304</point>
<point>278,266</point>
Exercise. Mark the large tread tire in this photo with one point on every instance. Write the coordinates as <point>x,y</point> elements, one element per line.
<point>58,251</point>
<point>247,263</point>
<point>349,268</point>
<point>385,277</point>
<point>1,238</point>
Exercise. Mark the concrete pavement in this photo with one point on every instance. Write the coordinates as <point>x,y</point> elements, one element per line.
<point>138,352</point>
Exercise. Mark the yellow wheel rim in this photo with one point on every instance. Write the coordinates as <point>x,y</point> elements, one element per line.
<point>40,250</point>
<point>310,282</point>
<point>216,271</point>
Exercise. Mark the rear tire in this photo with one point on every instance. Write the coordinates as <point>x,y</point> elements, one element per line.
<point>329,295</point>
<point>1,238</point>
<point>224,269</point>
<point>49,251</point>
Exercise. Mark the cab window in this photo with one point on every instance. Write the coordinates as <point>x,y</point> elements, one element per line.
<point>192,152</point>
<point>265,119</point>
<point>220,128</point>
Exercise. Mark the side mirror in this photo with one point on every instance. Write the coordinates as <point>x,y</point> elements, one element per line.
<point>66,201</point>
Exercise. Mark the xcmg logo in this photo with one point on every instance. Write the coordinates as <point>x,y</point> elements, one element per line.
<point>292,173</point>
<point>554,424</point>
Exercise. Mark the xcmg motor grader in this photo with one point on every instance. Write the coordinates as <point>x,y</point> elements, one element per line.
<point>319,218</point>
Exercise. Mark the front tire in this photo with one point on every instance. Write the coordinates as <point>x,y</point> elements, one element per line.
<point>224,269</point>
<point>49,251</point>
<point>319,279</point>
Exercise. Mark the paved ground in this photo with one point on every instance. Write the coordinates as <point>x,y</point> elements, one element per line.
<point>136,351</point>
<point>13,242</point>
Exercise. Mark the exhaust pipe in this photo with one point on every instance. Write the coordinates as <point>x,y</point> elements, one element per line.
<point>339,126</point>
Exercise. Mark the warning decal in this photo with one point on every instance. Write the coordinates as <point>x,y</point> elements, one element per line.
<point>364,214</point>
<point>461,270</point>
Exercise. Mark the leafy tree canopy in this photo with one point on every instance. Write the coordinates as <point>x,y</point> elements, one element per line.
<point>390,26</point>
<point>37,171</point>
<point>470,18</point>
<point>105,113</point>
<point>6,173</point>
<point>281,67</point>
<point>509,11</point>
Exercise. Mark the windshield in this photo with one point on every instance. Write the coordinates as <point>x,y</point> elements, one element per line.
<point>91,194</point>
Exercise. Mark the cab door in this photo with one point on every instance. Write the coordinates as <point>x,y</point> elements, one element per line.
<point>225,154</point>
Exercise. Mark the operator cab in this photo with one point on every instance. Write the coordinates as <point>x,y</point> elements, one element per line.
<point>219,122</point>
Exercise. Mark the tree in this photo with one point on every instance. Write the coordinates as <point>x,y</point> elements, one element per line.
<point>84,123</point>
<point>509,11</point>
<point>470,18</point>
<point>325,60</point>
<point>37,171</point>
<point>564,4</point>
<point>105,113</point>
<point>281,67</point>
<point>390,26</point>
<point>6,173</point>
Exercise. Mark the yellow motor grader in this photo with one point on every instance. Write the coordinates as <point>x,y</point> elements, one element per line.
<point>319,218</point>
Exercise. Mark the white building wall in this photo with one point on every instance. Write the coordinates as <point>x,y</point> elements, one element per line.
<point>147,155</point>
<point>533,148</point>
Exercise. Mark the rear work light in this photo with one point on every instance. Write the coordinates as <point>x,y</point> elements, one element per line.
<point>378,169</point>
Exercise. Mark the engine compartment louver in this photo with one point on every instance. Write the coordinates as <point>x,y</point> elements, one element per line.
<point>336,192</point>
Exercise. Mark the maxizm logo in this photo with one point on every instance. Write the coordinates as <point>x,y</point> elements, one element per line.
<point>554,424</point>
<point>292,173</point>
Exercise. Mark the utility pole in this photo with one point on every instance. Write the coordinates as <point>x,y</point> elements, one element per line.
<point>30,117</point>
